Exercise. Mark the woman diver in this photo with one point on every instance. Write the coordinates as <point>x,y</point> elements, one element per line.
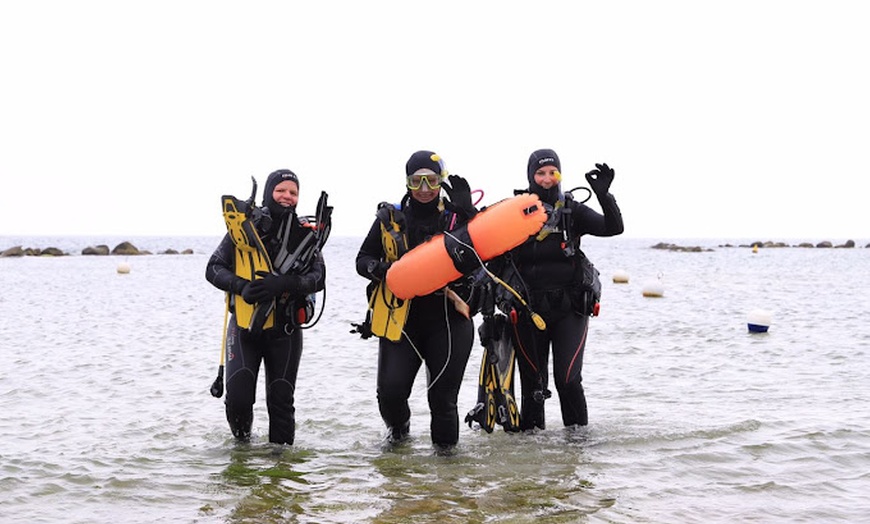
<point>438,329</point>
<point>270,335</point>
<point>562,287</point>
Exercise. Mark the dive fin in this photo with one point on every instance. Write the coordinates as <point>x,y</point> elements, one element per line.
<point>495,398</point>
<point>504,366</point>
<point>484,412</point>
<point>251,255</point>
<point>262,317</point>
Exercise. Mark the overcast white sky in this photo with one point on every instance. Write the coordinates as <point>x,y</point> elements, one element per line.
<point>744,118</point>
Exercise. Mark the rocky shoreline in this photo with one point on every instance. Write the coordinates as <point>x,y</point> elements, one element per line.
<point>757,244</point>
<point>124,248</point>
<point>128,249</point>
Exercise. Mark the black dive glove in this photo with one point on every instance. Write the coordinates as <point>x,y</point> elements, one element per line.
<point>600,179</point>
<point>377,269</point>
<point>238,284</point>
<point>269,287</point>
<point>459,193</point>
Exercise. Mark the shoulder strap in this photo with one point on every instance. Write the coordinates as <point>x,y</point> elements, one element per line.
<point>560,220</point>
<point>393,231</point>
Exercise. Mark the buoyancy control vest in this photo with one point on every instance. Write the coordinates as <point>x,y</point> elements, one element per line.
<point>402,230</point>
<point>541,262</point>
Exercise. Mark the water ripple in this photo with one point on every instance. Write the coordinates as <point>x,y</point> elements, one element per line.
<point>106,415</point>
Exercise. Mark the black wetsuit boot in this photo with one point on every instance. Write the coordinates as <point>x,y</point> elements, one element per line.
<point>240,424</point>
<point>397,434</point>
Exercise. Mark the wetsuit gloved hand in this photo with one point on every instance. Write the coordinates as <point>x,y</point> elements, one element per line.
<point>459,193</point>
<point>378,269</point>
<point>600,179</point>
<point>269,287</point>
<point>237,286</point>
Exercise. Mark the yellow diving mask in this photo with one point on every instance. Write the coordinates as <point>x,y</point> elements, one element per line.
<point>432,180</point>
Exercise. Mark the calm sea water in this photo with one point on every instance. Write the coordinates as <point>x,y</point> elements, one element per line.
<point>105,414</point>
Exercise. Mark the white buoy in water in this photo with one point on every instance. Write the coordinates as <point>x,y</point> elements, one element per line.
<point>620,277</point>
<point>123,268</point>
<point>759,320</point>
<point>654,289</point>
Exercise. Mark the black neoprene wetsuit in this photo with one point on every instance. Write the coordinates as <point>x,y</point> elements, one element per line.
<point>550,278</point>
<point>278,348</point>
<point>434,331</point>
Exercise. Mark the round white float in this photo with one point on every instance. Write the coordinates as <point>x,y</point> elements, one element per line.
<point>759,320</point>
<point>123,268</point>
<point>620,277</point>
<point>654,289</point>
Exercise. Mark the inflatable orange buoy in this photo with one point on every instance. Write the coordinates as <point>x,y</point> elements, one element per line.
<point>445,257</point>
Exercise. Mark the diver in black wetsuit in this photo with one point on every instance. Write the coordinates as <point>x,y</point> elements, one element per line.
<point>551,267</point>
<point>435,332</point>
<point>279,347</point>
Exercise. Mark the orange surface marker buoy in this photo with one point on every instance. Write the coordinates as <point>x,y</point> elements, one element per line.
<point>495,230</point>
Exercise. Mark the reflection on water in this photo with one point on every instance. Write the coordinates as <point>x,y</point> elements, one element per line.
<point>106,415</point>
<point>479,483</point>
<point>271,481</point>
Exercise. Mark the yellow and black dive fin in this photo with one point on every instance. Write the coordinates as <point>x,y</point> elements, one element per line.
<point>495,395</point>
<point>388,312</point>
<point>251,255</point>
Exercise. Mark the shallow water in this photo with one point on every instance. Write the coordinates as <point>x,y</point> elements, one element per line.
<point>105,414</point>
